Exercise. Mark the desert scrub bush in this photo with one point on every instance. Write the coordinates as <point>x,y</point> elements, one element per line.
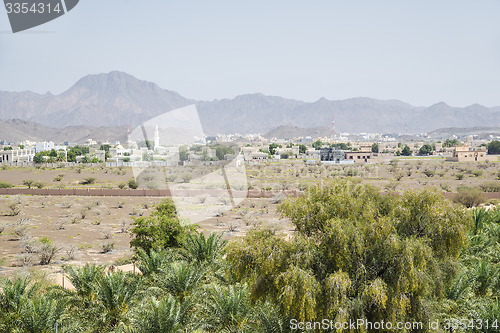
<point>47,250</point>
<point>398,176</point>
<point>469,196</point>
<point>187,177</point>
<point>351,172</point>
<point>441,173</point>
<point>107,247</point>
<point>278,198</point>
<point>459,176</point>
<point>490,186</point>
<point>391,186</point>
<point>20,232</point>
<point>120,204</point>
<point>88,181</point>
<point>58,178</point>
<point>70,252</point>
<point>39,185</point>
<point>445,186</point>
<point>28,182</point>
<point>477,173</point>
<point>429,173</point>
<point>122,185</point>
<point>132,183</point>
<point>5,185</point>
<point>14,208</point>
<point>107,234</point>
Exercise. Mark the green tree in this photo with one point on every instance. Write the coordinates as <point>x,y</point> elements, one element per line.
<point>406,151</point>
<point>426,150</point>
<point>222,151</point>
<point>451,143</point>
<point>302,149</point>
<point>161,230</point>
<point>273,147</point>
<point>494,147</point>
<point>356,254</point>
<point>317,144</point>
<point>375,148</point>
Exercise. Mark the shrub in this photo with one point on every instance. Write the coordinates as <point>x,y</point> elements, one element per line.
<point>107,247</point>
<point>469,197</point>
<point>459,176</point>
<point>28,182</point>
<point>47,251</point>
<point>490,187</point>
<point>162,229</point>
<point>132,183</point>
<point>429,173</point>
<point>58,178</point>
<point>15,208</point>
<point>122,185</point>
<point>20,232</point>
<point>39,185</point>
<point>5,185</point>
<point>88,181</point>
<point>477,173</point>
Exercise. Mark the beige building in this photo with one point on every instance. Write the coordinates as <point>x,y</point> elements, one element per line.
<point>358,156</point>
<point>466,154</point>
<point>23,156</point>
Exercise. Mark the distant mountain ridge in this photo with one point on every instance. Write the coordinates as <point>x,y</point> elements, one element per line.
<point>119,99</point>
<point>17,130</point>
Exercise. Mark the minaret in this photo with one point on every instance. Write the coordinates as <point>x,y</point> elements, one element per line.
<point>157,138</point>
<point>129,141</point>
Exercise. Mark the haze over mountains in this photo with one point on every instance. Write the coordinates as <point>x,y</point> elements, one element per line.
<point>118,99</point>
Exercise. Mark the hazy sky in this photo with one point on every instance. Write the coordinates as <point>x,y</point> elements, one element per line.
<point>421,51</point>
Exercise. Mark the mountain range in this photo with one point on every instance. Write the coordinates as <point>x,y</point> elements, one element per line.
<point>119,100</point>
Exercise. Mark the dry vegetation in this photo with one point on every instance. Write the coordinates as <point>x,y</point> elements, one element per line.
<point>40,230</point>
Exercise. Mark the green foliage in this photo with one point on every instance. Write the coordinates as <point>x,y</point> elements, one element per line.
<point>88,181</point>
<point>161,230</point>
<point>373,256</point>
<point>7,148</point>
<point>132,183</point>
<point>75,151</point>
<point>469,196</point>
<point>302,149</point>
<point>406,151</point>
<point>5,185</point>
<point>317,144</point>
<point>451,143</point>
<point>341,145</point>
<point>221,151</point>
<point>492,186</point>
<point>375,148</point>
<point>426,149</point>
<point>494,147</point>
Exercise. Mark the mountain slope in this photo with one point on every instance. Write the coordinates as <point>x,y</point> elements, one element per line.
<point>119,99</point>
<point>19,130</point>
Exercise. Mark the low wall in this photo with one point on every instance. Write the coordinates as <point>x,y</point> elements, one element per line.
<point>102,192</point>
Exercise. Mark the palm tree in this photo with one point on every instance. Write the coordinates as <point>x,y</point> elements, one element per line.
<point>115,295</point>
<point>165,315</point>
<point>180,279</point>
<point>85,278</point>
<point>198,249</point>
<point>12,295</point>
<point>226,309</point>
<point>39,315</point>
<point>152,262</point>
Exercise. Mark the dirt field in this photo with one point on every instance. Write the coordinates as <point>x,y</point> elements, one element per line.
<point>94,229</point>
